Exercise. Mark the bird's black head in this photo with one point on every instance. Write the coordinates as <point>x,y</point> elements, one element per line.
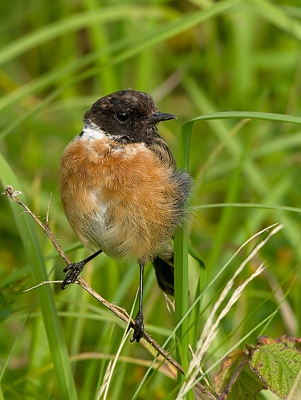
<point>127,115</point>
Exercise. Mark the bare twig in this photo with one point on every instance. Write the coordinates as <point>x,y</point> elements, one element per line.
<point>13,195</point>
<point>118,311</point>
<point>48,210</point>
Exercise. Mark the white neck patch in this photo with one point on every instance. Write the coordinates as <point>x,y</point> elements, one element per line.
<point>91,131</point>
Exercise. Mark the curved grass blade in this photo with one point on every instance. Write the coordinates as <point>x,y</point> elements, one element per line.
<point>53,329</point>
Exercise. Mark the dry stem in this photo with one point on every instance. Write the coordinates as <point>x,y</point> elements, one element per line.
<point>118,311</point>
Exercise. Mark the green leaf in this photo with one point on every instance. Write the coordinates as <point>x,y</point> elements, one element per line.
<point>235,380</point>
<point>278,364</point>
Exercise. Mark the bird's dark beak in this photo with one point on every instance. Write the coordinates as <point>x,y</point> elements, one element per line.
<point>158,116</point>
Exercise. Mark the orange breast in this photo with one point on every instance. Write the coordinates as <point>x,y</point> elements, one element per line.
<point>121,199</point>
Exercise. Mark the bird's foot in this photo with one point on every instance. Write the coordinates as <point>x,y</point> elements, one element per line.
<point>138,328</point>
<point>74,270</point>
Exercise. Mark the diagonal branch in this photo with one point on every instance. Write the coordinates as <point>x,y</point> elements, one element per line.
<point>118,311</point>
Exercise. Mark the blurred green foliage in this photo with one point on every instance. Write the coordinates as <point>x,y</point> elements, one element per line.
<point>194,57</point>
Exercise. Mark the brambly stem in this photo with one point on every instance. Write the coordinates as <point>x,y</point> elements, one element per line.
<point>121,313</point>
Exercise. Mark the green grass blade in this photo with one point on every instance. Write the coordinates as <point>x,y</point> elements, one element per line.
<point>147,40</point>
<point>106,80</point>
<point>249,115</point>
<point>249,205</point>
<point>73,23</point>
<point>181,259</point>
<point>277,16</point>
<point>56,341</point>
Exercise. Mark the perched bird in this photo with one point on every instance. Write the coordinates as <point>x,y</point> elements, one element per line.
<point>120,189</point>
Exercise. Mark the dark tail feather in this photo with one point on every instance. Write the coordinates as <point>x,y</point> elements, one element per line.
<point>165,275</point>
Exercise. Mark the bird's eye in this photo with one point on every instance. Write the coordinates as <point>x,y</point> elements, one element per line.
<point>122,116</point>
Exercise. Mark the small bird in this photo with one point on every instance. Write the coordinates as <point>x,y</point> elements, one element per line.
<point>121,191</point>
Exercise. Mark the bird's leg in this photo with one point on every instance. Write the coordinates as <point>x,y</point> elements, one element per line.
<point>75,269</point>
<point>139,326</point>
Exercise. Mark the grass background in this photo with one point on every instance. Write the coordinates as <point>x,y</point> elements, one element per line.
<point>195,57</point>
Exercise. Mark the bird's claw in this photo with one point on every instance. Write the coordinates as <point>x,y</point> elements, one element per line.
<point>74,271</point>
<point>138,328</point>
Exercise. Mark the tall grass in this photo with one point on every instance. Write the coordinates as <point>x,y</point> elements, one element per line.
<point>232,68</point>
